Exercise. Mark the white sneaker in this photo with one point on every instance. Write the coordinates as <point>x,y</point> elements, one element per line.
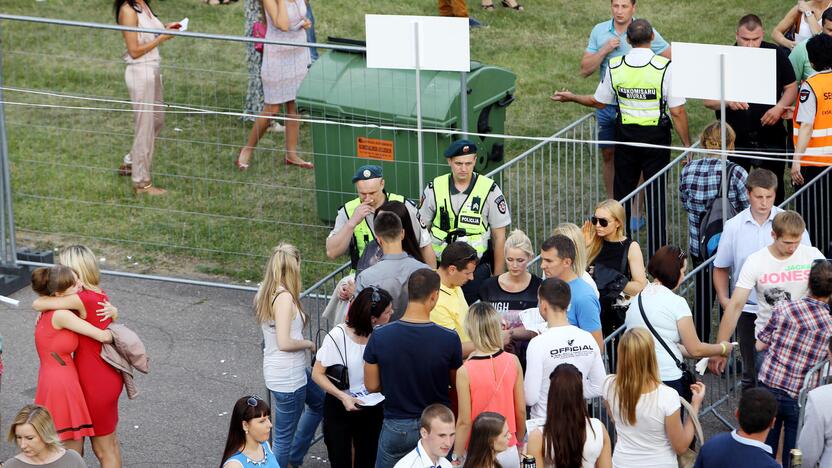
<point>276,127</point>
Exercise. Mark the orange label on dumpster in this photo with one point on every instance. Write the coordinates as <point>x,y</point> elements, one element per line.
<point>372,148</point>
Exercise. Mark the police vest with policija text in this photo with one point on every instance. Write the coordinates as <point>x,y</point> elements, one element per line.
<point>819,150</point>
<point>639,91</point>
<point>362,234</point>
<point>468,225</point>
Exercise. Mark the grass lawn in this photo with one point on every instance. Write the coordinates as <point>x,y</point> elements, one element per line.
<point>217,221</point>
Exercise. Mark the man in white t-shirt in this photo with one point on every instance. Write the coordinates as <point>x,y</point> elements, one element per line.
<point>437,430</point>
<point>777,272</point>
<point>561,343</point>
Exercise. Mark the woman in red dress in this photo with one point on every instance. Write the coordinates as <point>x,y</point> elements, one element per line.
<point>100,382</point>
<point>57,336</point>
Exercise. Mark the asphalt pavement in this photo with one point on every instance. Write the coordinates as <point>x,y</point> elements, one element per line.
<point>204,348</point>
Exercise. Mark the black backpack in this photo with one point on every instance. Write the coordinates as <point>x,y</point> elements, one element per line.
<point>710,225</point>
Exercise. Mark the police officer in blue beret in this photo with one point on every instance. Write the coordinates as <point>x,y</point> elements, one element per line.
<point>354,223</point>
<point>469,207</point>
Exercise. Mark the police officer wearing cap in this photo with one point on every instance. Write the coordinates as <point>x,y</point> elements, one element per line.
<point>469,207</point>
<point>354,224</point>
<point>639,82</point>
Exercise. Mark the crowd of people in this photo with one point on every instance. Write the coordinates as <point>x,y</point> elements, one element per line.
<point>446,350</point>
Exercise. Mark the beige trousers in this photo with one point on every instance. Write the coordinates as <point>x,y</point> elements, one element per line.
<point>144,83</point>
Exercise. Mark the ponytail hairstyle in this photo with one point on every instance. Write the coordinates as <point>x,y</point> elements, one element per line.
<point>47,281</point>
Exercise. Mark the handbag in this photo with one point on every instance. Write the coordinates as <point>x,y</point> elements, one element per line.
<point>688,459</point>
<point>339,374</point>
<point>258,30</point>
<point>688,378</point>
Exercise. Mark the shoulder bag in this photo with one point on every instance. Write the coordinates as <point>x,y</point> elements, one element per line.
<point>339,374</point>
<point>611,282</point>
<point>688,459</point>
<point>688,378</point>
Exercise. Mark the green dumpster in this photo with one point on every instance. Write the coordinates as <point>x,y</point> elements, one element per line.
<point>339,88</point>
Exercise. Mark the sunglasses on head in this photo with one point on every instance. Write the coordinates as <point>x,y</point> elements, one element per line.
<point>375,298</point>
<point>253,400</point>
<point>603,222</point>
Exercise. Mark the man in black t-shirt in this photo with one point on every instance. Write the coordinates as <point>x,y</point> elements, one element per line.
<point>760,127</point>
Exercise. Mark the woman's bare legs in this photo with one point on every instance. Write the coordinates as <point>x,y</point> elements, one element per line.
<point>292,132</point>
<point>107,450</point>
<point>261,124</point>
<point>77,445</point>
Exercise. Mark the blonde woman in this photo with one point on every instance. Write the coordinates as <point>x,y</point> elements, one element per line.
<point>646,412</point>
<point>573,232</point>
<point>608,247</point>
<point>285,356</point>
<point>490,380</point>
<point>100,382</point>
<point>33,431</point>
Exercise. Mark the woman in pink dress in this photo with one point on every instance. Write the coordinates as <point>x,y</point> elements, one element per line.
<point>57,336</point>
<point>283,70</point>
<point>100,382</point>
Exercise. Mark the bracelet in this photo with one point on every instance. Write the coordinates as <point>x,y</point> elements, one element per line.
<point>724,348</point>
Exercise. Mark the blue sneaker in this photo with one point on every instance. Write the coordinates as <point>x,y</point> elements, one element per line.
<point>637,223</point>
<point>473,23</point>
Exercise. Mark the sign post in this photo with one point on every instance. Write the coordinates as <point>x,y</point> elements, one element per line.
<point>419,43</point>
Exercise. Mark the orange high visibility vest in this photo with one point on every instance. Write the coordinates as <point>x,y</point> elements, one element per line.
<point>819,150</point>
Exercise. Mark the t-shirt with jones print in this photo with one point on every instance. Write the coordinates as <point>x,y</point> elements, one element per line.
<point>776,280</point>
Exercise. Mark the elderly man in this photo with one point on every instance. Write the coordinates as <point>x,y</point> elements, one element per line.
<point>639,83</point>
<point>353,225</point>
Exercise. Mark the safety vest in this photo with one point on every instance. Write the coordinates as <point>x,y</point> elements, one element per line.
<point>819,150</point>
<point>468,225</point>
<point>362,234</point>
<point>639,90</point>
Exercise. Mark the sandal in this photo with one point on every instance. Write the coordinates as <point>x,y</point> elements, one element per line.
<point>517,6</point>
<point>148,189</point>
<point>302,164</point>
<point>489,7</point>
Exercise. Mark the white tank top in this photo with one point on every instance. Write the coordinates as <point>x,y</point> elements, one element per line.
<point>284,371</point>
<point>147,21</point>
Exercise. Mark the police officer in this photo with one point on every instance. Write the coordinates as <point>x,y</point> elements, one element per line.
<point>354,224</point>
<point>469,207</point>
<point>640,83</point>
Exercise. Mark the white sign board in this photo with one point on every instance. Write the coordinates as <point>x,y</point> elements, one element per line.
<point>443,42</point>
<point>750,73</point>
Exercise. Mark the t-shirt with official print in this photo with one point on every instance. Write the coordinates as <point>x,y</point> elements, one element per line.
<point>776,280</point>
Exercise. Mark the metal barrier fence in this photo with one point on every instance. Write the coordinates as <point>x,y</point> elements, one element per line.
<point>819,375</point>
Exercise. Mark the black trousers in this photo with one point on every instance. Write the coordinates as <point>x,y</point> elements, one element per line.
<point>747,339</point>
<point>347,430</point>
<point>815,205</point>
<point>630,163</point>
<point>704,295</point>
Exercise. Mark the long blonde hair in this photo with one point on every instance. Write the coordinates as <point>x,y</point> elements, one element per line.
<point>41,421</point>
<point>482,324</point>
<point>573,232</point>
<point>637,371</point>
<point>81,259</point>
<point>282,272</point>
<point>617,211</point>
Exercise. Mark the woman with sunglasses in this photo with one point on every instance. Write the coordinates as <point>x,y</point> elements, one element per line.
<point>608,246</point>
<point>670,316</point>
<point>351,430</point>
<point>285,359</point>
<point>247,444</point>
<point>489,436</point>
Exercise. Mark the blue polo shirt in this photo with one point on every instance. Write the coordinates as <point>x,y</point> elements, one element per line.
<point>603,32</point>
<point>584,309</point>
<point>730,450</point>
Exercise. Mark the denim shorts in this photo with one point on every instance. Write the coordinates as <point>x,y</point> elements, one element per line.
<point>606,124</point>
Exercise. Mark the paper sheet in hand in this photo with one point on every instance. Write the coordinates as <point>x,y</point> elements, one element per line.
<point>750,75</point>
<point>184,24</point>
<point>443,42</point>
<point>367,398</point>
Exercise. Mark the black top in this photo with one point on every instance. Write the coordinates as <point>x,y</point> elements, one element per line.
<point>751,134</point>
<point>510,304</point>
<point>611,256</point>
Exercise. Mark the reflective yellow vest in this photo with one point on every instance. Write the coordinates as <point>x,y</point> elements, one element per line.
<point>468,225</point>
<point>639,90</point>
<point>363,234</point>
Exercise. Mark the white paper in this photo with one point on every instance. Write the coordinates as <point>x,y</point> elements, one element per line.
<point>750,74</point>
<point>184,24</point>
<point>367,398</point>
<point>443,42</point>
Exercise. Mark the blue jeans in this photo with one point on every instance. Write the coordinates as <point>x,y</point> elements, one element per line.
<point>398,437</point>
<point>605,118</point>
<point>295,427</point>
<point>310,33</point>
<point>787,416</point>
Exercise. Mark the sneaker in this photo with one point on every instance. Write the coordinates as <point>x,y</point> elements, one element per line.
<point>276,127</point>
<point>473,23</point>
<point>637,223</point>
